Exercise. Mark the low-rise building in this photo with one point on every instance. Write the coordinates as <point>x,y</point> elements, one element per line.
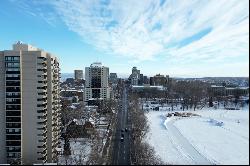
<point>215,90</point>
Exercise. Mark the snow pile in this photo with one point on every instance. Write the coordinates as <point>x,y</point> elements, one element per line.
<point>215,122</point>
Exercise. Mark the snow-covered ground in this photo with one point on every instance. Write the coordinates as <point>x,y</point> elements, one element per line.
<point>216,137</point>
<point>80,150</point>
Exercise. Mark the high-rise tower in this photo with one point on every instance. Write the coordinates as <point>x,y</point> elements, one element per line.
<point>96,85</point>
<point>29,105</point>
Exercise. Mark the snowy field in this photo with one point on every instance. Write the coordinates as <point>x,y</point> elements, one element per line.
<point>80,149</point>
<point>216,137</point>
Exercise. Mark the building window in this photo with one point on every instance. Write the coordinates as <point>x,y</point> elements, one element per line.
<point>12,64</point>
<point>12,58</point>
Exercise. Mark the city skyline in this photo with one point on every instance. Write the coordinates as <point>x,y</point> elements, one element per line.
<point>176,38</point>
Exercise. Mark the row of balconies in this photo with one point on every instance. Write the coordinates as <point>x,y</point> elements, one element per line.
<point>42,155</point>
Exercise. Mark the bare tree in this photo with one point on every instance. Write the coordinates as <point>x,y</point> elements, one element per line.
<point>141,152</point>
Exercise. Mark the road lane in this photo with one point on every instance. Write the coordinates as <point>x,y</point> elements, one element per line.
<point>121,149</point>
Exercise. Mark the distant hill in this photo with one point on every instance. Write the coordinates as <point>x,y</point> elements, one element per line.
<point>64,76</point>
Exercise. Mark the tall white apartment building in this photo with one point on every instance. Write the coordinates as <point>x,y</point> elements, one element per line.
<point>96,82</point>
<point>29,105</point>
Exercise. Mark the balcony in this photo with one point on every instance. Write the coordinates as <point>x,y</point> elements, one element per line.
<point>42,102</point>
<point>44,70</point>
<point>42,106</point>
<point>42,94</point>
<point>43,111</point>
<point>41,91</point>
<point>42,65</point>
<point>42,122</point>
<point>42,146</point>
<point>42,140</point>
<point>42,84</point>
<point>41,143</point>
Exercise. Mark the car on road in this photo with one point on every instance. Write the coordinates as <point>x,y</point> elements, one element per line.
<point>122,139</point>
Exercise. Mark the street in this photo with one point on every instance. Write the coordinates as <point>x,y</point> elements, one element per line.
<point>121,149</point>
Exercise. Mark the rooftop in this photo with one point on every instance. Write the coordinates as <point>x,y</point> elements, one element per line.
<point>96,64</point>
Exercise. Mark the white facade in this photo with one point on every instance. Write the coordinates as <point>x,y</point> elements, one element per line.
<point>96,82</point>
<point>30,106</point>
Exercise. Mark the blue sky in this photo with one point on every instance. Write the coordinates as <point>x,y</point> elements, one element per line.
<point>192,38</point>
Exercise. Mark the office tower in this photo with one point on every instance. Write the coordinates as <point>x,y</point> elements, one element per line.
<point>151,80</point>
<point>135,76</point>
<point>96,82</point>
<point>113,78</point>
<point>141,79</point>
<point>78,74</point>
<point>160,80</point>
<point>145,80</point>
<point>29,104</point>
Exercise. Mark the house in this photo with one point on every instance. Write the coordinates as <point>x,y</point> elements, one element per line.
<point>79,129</point>
<point>88,127</point>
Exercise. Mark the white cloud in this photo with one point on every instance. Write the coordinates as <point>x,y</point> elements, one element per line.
<point>144,29</point>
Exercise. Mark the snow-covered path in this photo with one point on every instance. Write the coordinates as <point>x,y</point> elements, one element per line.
<point>166,147</point>
<point>183,142</point>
